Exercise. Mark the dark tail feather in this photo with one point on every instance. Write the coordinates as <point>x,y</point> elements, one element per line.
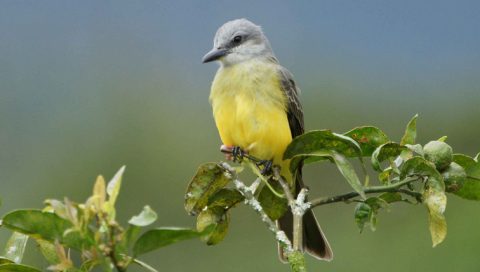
<point>314,241</point>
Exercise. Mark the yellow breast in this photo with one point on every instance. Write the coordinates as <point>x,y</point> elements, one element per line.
<point>249,108</point>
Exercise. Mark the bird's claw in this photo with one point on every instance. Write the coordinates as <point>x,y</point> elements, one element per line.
<point>233,153</point>
<point>267,167</point>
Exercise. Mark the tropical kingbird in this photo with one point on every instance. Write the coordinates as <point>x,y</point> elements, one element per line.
<point>256,109</point>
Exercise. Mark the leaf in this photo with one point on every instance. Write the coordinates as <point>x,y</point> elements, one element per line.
<point>363,212</point>
<point>4,260</point>
<point>375,204</point>
<point>463,160</point>
<point>442,139</point>
<point>471,187</point>
<point>384,176</point>
<point>436,203</point>
<point>384,152</point>
<point>15,247</point>
<point>348,172</point>
<point>410,132</point>
<point>391,197</point>
<point>113,189</point>
<point>56,206</point>
<point>64,262</point>
<point>369,138</point>
<point>210,178</point>
<point>44,225</point>
<point>161,237</point>
<point>145,218</point>
<point>343,165</point>
<point>99,194</point>
<point>217,217</point>
<point>130,235</point>
<point>48,251</point>
<point>418,166</point>
<point>417,148</point>
<point>17,268</point>
<point>225,198</point>
<point>319,140</point>
<point>274,206</point>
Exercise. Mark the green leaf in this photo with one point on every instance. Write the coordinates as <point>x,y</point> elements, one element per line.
<point>161,237</point>
<point>15,247</point>
<point>410,132</point>
<point>375,204</point>
<point>386,151</point>
<point>418,166</point>
<point>471,187</point>
<point>48,251</point>
<point>436,202</point>
<point>391,197</point>
<point>369,138</point>
<point>210,178</point>
<point>17,268</point>
<point>319,140</point>
<point>145,218</point>
<point>4,260</point>
<point>343,165</point>
<point>44,225</point>
<point>225,198</point>
<point>442,139</point>
<point>348,172</point>
<point>130,235</point>
<point>217,217</point>
<point>363,212</point>
<point>384,176</point>
<point>463,160</point>
<point>417,148</point>
<point>274,206</point>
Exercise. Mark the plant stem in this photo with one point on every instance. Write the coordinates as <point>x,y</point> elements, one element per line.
<point>253,202</point>
<point>295,257</point>
<point>395,188</point>
<point>114,260</point>
<point>297,213</point>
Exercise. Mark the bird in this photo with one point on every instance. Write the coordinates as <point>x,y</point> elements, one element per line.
<point>257,111</point>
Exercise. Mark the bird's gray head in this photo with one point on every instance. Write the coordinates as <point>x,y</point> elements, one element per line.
<point>237,41</point>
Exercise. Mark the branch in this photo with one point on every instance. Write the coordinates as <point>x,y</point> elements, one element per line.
<point>393,188</point>
<point>253,202</point>
<point>298,207</point>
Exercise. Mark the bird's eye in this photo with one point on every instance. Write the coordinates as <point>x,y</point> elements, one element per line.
<point>237,39</point>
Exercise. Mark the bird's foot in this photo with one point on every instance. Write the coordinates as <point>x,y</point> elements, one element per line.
<point>267,167</point>
<point>233,153</point>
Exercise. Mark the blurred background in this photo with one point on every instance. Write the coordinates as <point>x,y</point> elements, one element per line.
<point>89,86</point>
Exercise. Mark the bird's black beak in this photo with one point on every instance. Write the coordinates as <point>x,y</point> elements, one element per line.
<point>214,54</point>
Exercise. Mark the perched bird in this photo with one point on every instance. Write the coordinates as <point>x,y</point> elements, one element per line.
<point>256,109</point>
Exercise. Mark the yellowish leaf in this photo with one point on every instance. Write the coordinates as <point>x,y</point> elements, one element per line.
<point>436,202</point>
<point>99,194</point>
<point>113,188</point>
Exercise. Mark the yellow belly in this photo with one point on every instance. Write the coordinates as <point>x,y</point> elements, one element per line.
<point>249,108</point>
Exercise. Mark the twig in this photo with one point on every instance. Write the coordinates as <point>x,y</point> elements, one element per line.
<point>253,202</point>
<point>395,188</point>
<point>298,207</point>
<point>285,187</point>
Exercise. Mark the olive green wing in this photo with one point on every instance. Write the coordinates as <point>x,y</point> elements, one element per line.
<point>294,107</point>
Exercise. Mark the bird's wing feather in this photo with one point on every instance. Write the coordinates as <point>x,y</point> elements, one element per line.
<point>314,241</point>
<point>294,108</point>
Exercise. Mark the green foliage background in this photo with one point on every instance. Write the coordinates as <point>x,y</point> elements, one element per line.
<point>87,87</point>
